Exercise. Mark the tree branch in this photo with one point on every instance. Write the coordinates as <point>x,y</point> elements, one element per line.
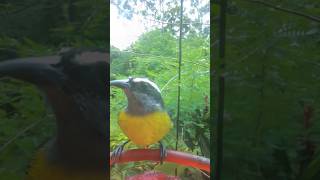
<point>289,11</point>
<point>19,134</point>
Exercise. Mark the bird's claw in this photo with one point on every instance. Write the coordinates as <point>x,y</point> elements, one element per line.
<point>163,152</point>
<point>116,154</point>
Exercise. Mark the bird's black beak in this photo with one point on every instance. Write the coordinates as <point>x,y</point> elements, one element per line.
<point>33,70</point>
<point>123,84</point>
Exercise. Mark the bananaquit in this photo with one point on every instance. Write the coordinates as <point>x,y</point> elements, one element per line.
<point>144,121</point>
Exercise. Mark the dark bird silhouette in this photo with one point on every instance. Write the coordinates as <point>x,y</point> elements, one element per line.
<point>74,83</point>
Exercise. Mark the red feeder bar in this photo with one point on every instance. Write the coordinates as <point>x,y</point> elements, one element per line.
<point>172,156</point>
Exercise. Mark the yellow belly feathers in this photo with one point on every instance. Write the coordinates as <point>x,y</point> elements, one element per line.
<point>147,129</point>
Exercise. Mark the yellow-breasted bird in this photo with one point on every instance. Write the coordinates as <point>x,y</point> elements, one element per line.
<point>144,121</point>
<point>74,84</point>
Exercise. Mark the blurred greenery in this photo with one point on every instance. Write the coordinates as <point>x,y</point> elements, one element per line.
<point>272,84</point>
<point>38,28</point>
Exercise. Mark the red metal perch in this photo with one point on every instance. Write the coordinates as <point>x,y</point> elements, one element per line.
<point>172,156</point>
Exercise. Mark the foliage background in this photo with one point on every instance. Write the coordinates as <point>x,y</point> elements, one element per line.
<point>272,90</point>
<point>38,28</point>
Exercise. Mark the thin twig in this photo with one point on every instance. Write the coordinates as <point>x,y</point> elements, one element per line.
<point>20,133</point>
<point>16,11</point>
<point>204,173</point>
<point>252,52</point>
<point>152,18</point>
<point>166,22</point>
<point>173,78</point>
<point>289,11</point>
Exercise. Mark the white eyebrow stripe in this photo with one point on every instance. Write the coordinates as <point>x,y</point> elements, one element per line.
<point>148,81</point>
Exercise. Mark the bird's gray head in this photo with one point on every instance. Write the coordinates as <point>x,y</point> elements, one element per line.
<point>143,95</point>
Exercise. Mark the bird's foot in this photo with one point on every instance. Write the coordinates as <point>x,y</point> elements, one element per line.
<point>115,155</point>
<point>163,152</point>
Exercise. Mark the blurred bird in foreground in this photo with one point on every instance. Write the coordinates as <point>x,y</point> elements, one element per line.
<point>74,84</point>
